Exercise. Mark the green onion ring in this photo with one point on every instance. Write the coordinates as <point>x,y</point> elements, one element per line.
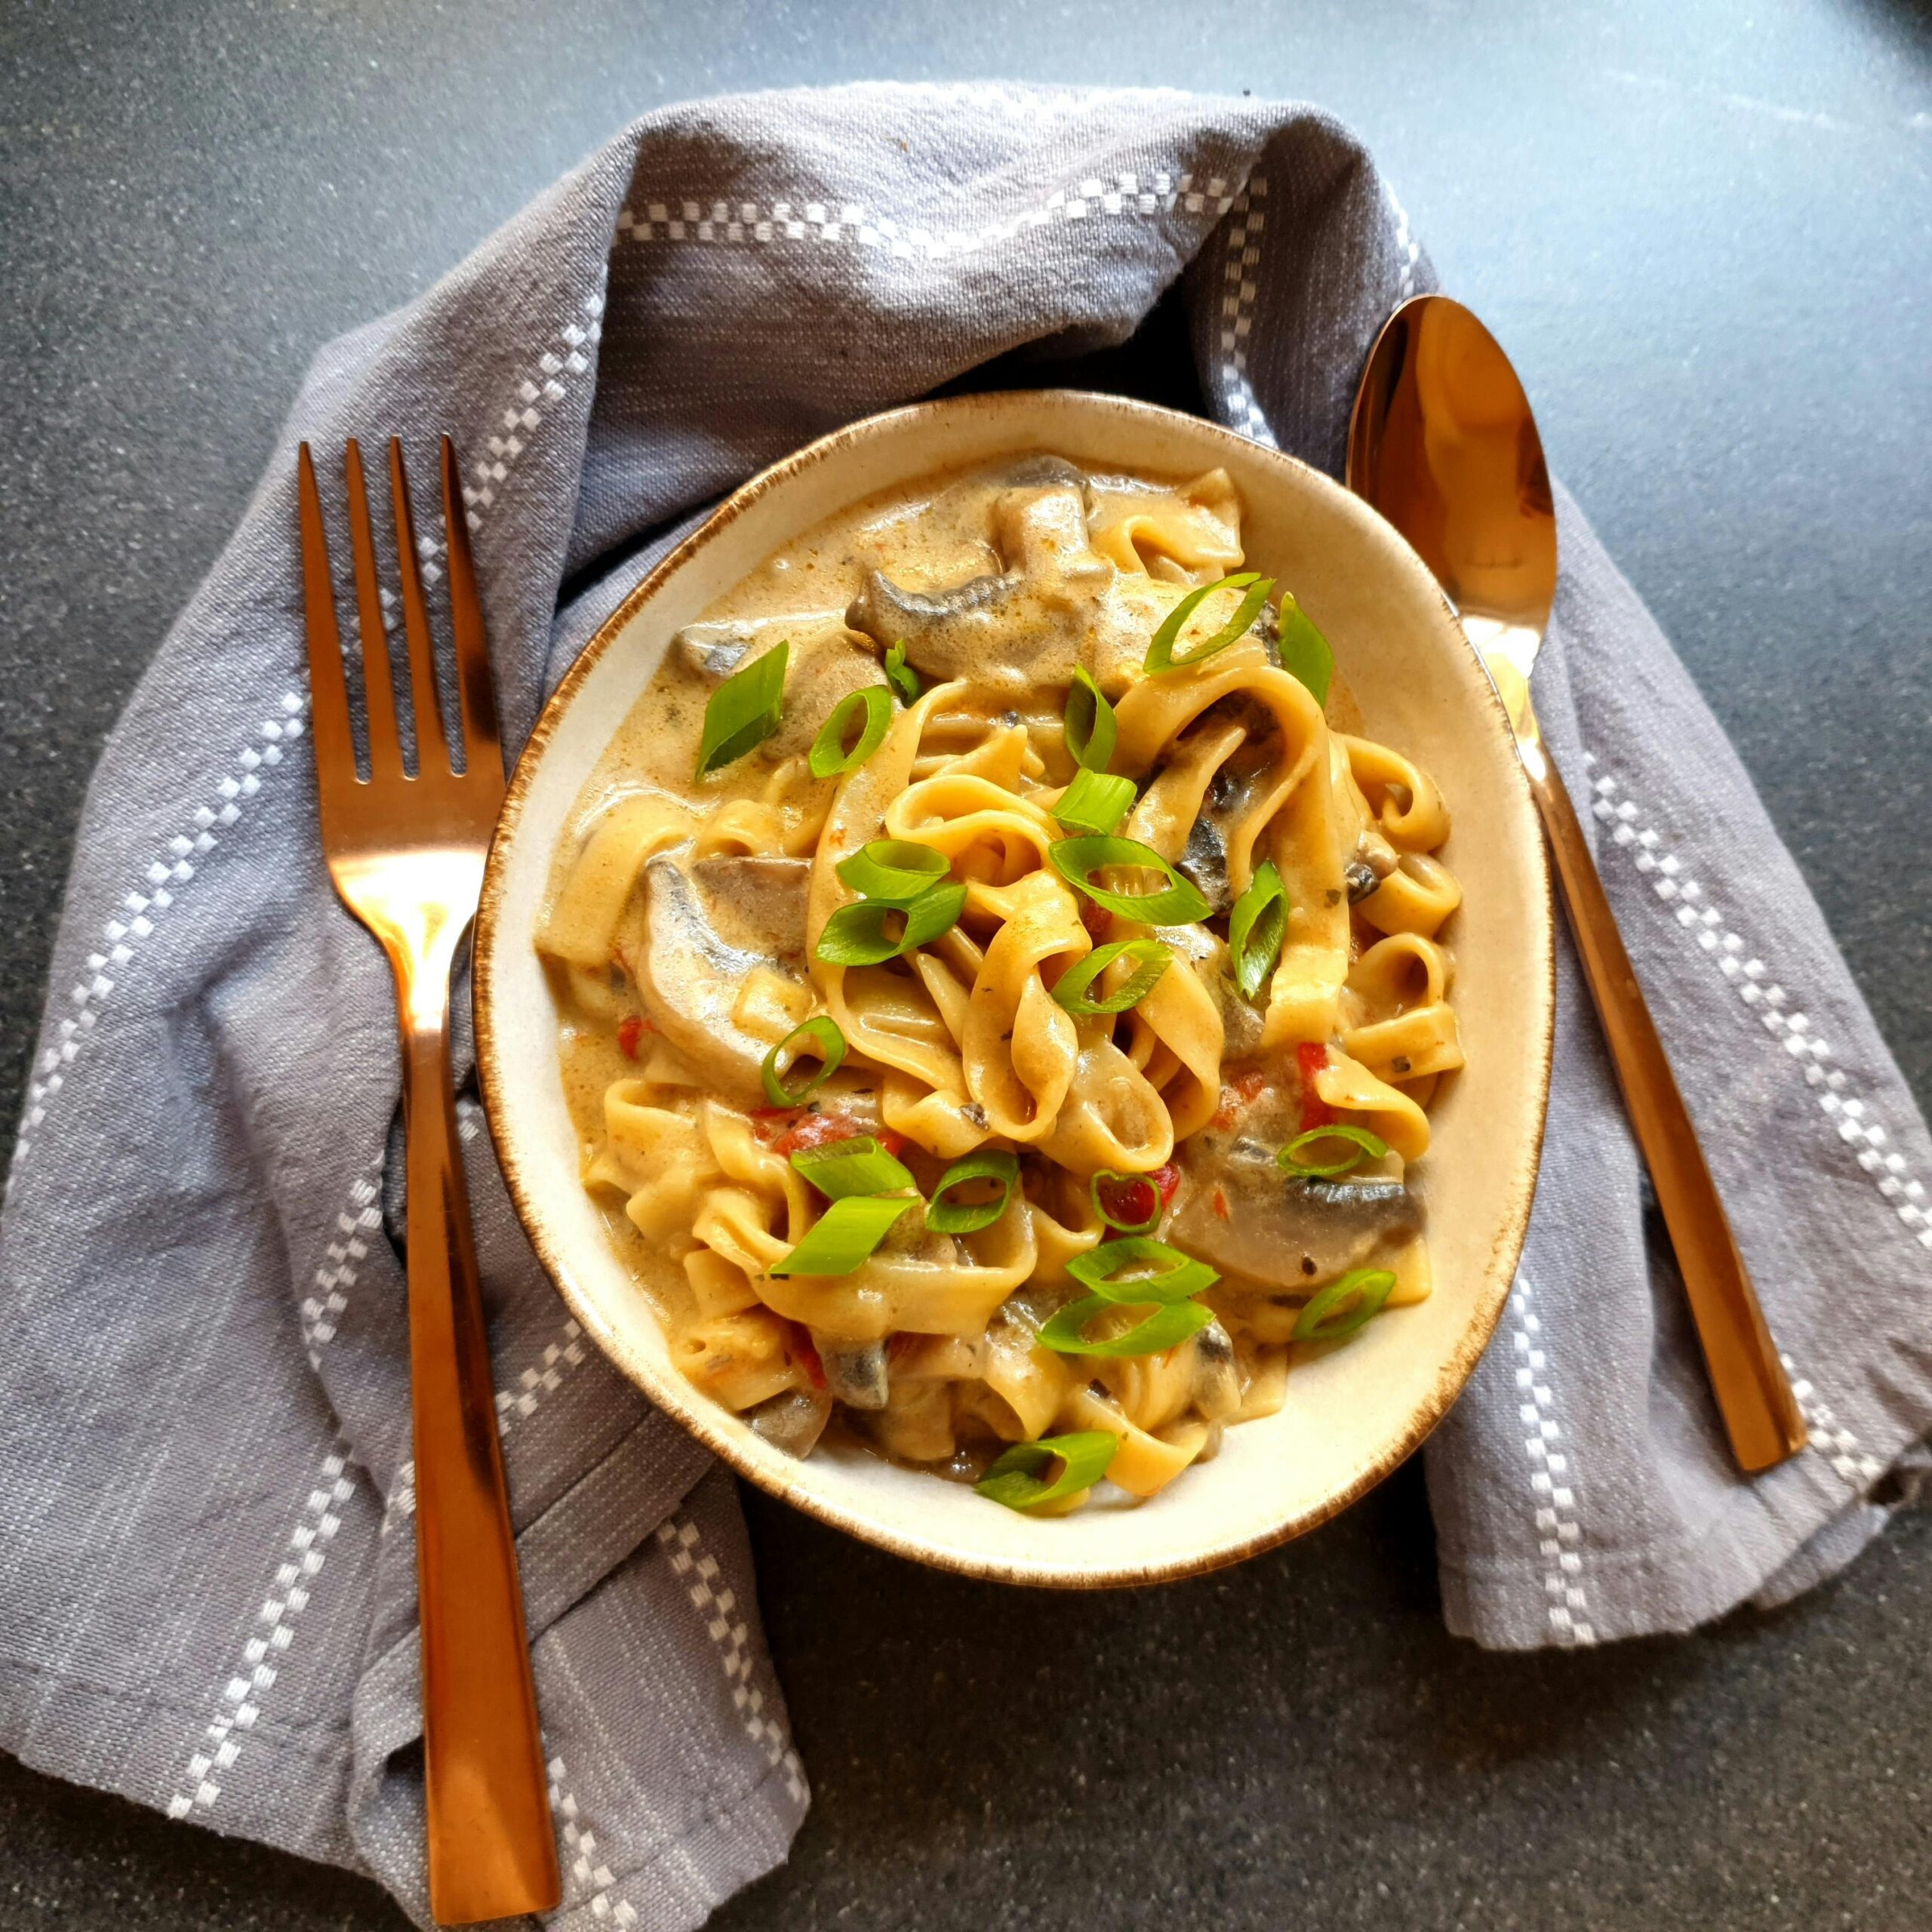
<point>845,1234</point>
<point>1374,1285</point>
<point>900,675</point>
<point>857,1166</point>
<point>1177,903</point>
<point>1161,653</point>
<point>1305,651</point>
<point>1150,957</point>
<point>1014,1477</point>
<point>821,1035</point>
<point>1090,726</point>
<point>743,711</point>
<point>1256,928</point>
<point>1360,1140</point>
<point>1181,1275</point>
<point>829,758</point>
<point>1145,1227</point>
<point>893,871</point>
<point>856,935</point>
<point>965,1217</point>
<point>1171,1323</point>
<point>1094,801</point>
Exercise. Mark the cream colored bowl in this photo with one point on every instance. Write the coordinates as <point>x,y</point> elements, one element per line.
<point>1353,1414</point>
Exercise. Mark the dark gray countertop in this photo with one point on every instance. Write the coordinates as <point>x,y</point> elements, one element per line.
<point>1704,237</point>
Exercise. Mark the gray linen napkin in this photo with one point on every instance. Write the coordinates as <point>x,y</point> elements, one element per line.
<point>206,1591</point>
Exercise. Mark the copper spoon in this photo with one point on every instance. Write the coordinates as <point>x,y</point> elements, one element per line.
<point>1442,443</point>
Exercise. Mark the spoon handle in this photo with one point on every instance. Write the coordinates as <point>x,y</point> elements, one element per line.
<point>1754,1394</point>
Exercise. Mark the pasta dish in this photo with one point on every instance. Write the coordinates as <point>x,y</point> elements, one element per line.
<point>1000,995</point>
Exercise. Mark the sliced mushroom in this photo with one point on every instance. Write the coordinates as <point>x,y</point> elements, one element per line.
<point>793,1421</point>
<point>1217,1391</point>
<point>887,614</point>
<point>1020,626</point>
<point>714,650</point>
<point>855,1372</point>
<point>691,975</point>
<point>1204,860</point>
<point>1282,1233</point>
<point>755,903</point>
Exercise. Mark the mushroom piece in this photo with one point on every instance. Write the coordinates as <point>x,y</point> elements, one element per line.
<point>756,903</point>
<point>1217,1391</point>
<point>1203,860</point>
<point>1281,1232</point>
<point>793,1421</point>
<point>692,974</point>
<point>1021,626</point>
<point>855,1372</point>
<point>887,614</point>
<point>714,650</point>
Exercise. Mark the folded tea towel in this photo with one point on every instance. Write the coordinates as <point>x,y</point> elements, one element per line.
<point>206,1587</point>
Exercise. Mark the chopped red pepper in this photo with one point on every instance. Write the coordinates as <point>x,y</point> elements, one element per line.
<point>1311,1056</point>
<point>1166,1179</point>
<point>1135,1201</point>
<point>630,1030</point>
<point>1220,1204</point>
<point>799,1343</point>
<point>894,1144</point>
<point>815,1130</point>
<point>1098,921</point>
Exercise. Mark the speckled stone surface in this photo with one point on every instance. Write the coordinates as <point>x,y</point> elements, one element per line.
<point>1703,234</point>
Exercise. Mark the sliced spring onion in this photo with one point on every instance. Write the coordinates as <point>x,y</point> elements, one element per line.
<point>1132,1183</point>
<point>1256,928</point>
<point>1305,652</point>
<point>856,935</point>
<point>1161,653</point>
<point>1016,1480</point>
<point>829,758</point>
<point>1180,1275</point>
<point>900,675</point>
<point>845,1234</point>
<point>1366,1288</point>
<point>859,1165</point>
<point>1091,727</point>
<point>1177,903</point>
<point>1150,958</point>
<point>893,871</point>
<point>819,1035</point>
<point>743,711</point>
<point>1357,1140</point>
<point>1094,802</point>
<point>965,1217</point>
<point>1171,1323</point>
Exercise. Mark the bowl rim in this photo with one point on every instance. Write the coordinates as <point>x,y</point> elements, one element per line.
<point>702,1419</point>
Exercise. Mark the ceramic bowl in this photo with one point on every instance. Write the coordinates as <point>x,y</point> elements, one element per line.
<point>1353,1414</point>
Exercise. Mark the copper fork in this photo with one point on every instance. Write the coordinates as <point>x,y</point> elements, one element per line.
<point>406,853</point>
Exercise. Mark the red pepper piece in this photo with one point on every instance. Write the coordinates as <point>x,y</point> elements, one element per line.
<point>1133,1201</point>
<point>1311,1056</point>
<point>1166,1179</point>
<point>630,1030</point>
<point>815,1131</point>
<point>799,1342</point>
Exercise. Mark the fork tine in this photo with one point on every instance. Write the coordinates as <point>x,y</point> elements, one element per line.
<point>426,698</point>
<point>328,723</point>
<point>378,685</point>
<point>483,749</point>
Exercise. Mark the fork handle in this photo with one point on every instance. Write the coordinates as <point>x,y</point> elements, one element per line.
<point>492,1846</point>
<point>1754,1394</point>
